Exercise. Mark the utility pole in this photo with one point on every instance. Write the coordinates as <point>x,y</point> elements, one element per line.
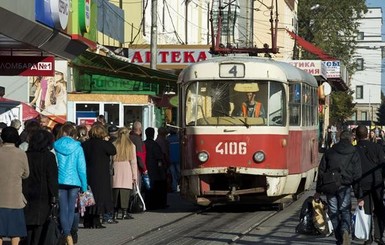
<point>154,31</point>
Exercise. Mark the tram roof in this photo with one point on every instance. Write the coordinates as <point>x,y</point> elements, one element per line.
<point>273,69</point>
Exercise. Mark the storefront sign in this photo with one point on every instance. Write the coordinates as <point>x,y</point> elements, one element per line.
<point>333,69</point>
<point>314,67</point>
<point>169,56</point>
<point>60,10</point>
<point>53,13</point>
<point>27,66</point>
<point>84,15</point>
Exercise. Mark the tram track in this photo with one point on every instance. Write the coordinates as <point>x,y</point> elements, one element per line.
<point>213,225</point>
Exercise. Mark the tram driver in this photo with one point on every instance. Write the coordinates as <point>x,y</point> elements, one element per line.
<point>251,107</point>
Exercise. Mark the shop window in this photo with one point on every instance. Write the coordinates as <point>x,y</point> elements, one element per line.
<point>86,113</point>
<point>359,92</point>
<point>111,113</point>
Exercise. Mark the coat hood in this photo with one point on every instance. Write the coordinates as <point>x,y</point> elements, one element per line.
<point>344,147</point>
<point>66,145</point>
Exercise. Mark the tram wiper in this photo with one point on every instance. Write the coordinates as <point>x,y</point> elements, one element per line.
<point>244,123</point>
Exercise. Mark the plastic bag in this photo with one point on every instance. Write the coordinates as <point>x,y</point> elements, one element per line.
<point>146,181</point>
<point>361,224</point>
<point>320,217</point>
<point>330,225</point>
<point>136,204</point>
<point>86,198</point>
<point>306,225</point>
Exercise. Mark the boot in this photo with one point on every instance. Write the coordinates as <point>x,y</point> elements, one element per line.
<point>69,240</point>
<point>115,215</point>
<point>125,215</point>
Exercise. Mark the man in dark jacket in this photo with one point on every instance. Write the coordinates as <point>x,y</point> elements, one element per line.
<point>156,197</point>
<point>372,183</point>
<point>343,160</point>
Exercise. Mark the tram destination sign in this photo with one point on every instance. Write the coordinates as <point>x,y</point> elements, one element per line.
<point>27,66</point>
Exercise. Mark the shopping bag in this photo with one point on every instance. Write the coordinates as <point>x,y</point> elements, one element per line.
<point>361,224</point>
<point>320,220</point>
<point>330,225</point>
<point>136,204</point>
<point>51,233</point>
<point>86,199</point>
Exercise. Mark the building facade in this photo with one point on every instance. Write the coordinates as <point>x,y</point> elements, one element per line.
<point>366,81</point>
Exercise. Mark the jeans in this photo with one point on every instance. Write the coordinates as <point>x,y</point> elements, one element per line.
<point>175,175</point>
<point>75,224</point>
<point>340,211</point>
<point>67,200</point>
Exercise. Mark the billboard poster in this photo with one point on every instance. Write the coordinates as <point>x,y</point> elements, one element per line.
<point>48,94</point>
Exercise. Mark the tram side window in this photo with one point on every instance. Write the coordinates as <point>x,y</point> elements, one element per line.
<point>294,104</point>
<point>277,106</point>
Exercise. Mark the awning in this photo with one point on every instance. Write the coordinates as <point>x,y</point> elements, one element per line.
<point>28,111</point>
<point>311,48</point>
<point>102,65</point>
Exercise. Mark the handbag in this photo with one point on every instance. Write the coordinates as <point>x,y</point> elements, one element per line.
<point>136,204</point>
<point>331,182</point>
<point>86,199</point>
<point>361,224</point>
<point>51,231</point>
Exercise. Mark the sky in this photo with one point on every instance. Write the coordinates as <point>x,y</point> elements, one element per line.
<point>380,3</point>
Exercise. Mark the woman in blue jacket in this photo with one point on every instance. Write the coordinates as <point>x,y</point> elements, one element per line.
<point>72,175</point>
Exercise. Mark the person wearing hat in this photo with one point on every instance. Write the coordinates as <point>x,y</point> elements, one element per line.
<point>113,132</point>
<point>13,165</point>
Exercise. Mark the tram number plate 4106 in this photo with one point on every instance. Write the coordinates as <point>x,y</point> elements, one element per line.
<point>231,148</point>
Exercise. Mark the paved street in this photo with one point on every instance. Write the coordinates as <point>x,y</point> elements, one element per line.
<point>279,230</point>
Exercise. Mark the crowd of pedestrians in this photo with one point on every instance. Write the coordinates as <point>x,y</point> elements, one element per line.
<point>46,168</point>
<point>355,163</point>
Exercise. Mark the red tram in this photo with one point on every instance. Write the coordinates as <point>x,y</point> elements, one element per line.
<point>249,129</point>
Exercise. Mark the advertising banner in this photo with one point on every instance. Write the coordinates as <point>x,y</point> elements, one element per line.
<point>27,66</point>
<point>48,94</point>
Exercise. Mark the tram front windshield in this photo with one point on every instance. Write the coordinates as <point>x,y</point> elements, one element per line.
<point>235,103</point>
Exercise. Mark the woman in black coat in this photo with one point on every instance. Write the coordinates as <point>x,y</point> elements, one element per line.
<point>41,187</point>
<point>98,151</point>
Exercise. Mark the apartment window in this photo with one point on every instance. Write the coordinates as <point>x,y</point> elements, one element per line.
<point>360,36</point>
<point>364,115</point>
<point>360,64</point>
<point>359,92</point>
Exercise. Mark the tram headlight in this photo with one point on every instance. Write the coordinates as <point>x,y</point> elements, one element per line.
<point>203,156</point>
<point>259,156</point>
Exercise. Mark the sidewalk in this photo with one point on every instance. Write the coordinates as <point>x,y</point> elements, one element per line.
<point>127,230</point>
